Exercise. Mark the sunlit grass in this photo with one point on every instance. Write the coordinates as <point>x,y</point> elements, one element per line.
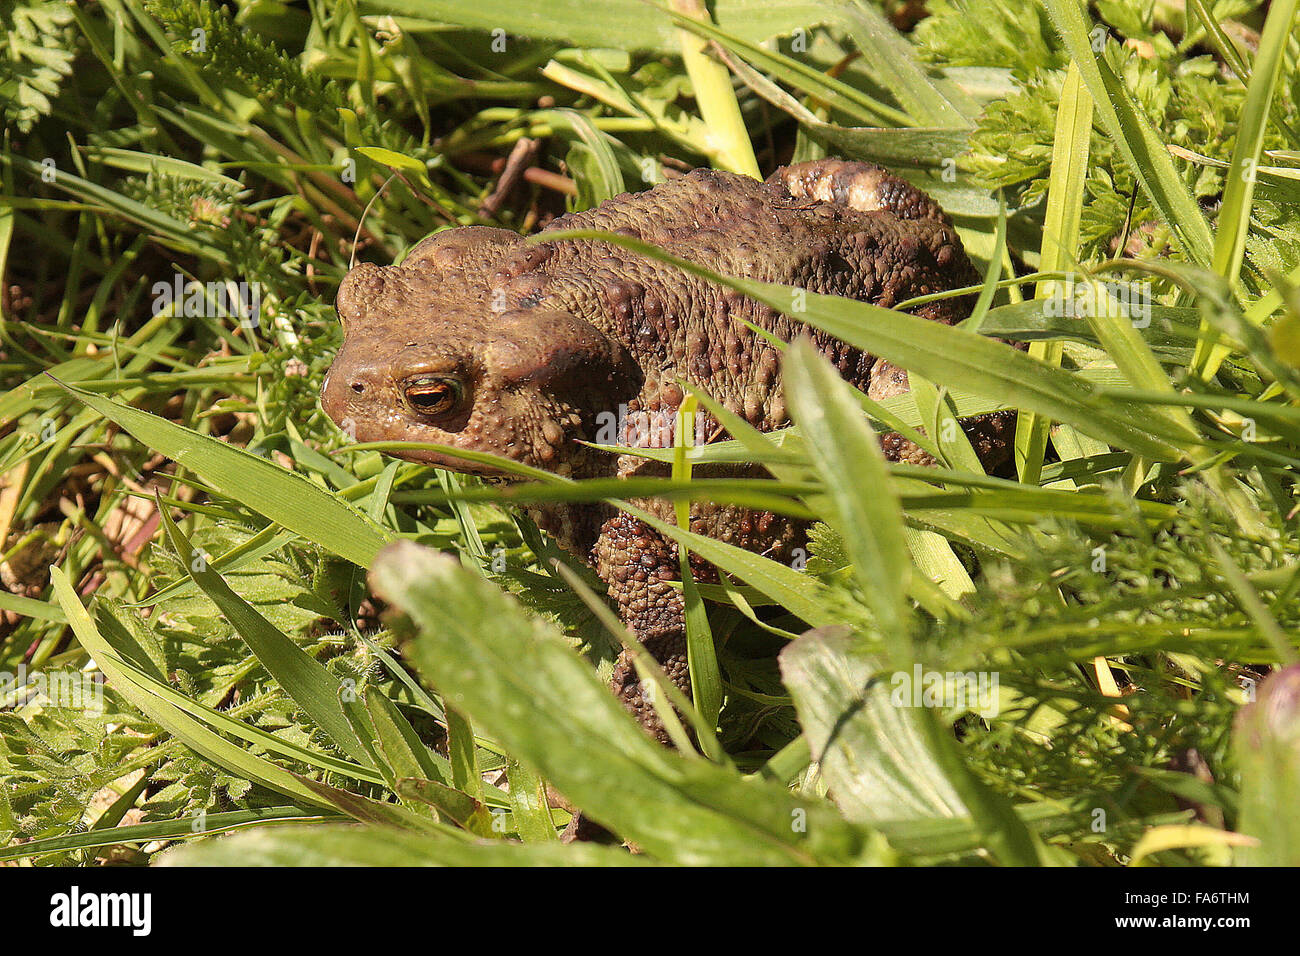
<point>210,531</point>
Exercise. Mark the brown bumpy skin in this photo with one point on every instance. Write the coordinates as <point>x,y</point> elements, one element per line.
<point>485,342</point>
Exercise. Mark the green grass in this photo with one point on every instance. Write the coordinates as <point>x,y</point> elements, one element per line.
<point>182,521</point>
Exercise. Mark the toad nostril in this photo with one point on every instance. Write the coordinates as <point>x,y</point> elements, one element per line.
<point>358,387</point>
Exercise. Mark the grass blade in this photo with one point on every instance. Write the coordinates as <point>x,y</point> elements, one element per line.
<point>189,731</point>
<point>282,496</point>
<point>848,458</point>
<point>525,686</point>
<point>312,687</point>
<point>1238,193</point>
<point>331,846</point>
<point>1131,133</point>
<point>1060,243</point>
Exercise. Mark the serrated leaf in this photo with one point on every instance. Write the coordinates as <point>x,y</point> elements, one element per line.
<point>312,687</point>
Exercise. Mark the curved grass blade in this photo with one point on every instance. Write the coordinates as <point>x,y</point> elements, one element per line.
<point>847,455</point>
<point>1239,191</point>
<point>144,674</point>
<point>808,78</point>
<point>301,676</point>
<point>889,146</point>
<point>521,681</point>
<point>1130,132</point>
<point>282,496</point>
<point>184,828</point>
<point>602,177</point>
<point>188,730</point>
<point>622,24</point>
<point>403,750</point>
<point>956,357</point>
<point>267,541</point>
<point>330,846</point>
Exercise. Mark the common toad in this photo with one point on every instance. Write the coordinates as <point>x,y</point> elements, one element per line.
<point>485,342</point>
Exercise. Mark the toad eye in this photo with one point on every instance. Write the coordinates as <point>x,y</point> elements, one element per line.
<point>433,395</point>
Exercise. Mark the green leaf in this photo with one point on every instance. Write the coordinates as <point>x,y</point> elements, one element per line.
<point>463,756</point>
<point>403,751</point>
<point>1065,191</point>
<point>312,687</point>
<point>183,828</point>
<point>591,156</point>
<point>143,672</point>
<point>701,654</point>
<point>874,755</point>
<point>282,496</point>
<point>933,102</point>
<point>456,805</point>
<point>807,77</point>
<point>395,160</point>
<point>30,607</point>
<point>625,24</point>
<point>532,814</point>
<point>170,230</point>
<point>1003,833</point>
<point>1234,214</point>
<point>193,734</point>
<point>520,681</point>
<point>366,810</point>
<point>139,162</point>
<point>330,846</point>
<point>866,509</point>
<point>1130,132</point>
